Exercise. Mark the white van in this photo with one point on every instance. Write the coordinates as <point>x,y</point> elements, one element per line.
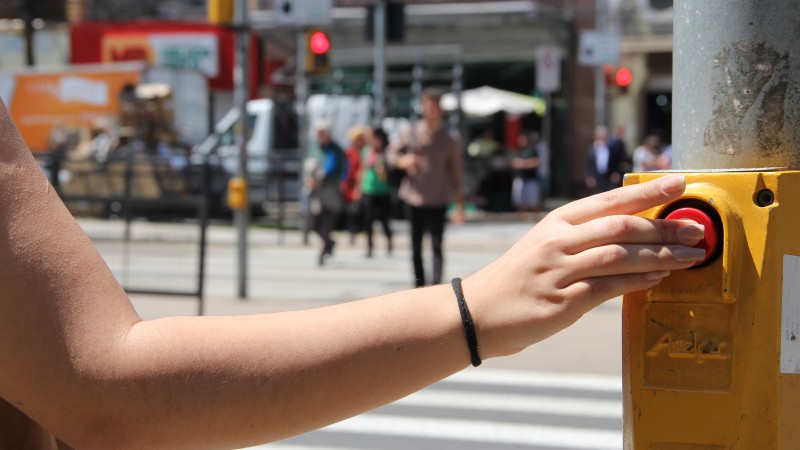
<point>273,175</point>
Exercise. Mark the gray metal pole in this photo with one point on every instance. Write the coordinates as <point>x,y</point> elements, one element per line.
<point>241,217</point>
<point>736,88</point>
<point>379,73</point>
<point>601,10</point>
<point>457,87</point>
<point>547,121</point>
<point>301,96</point>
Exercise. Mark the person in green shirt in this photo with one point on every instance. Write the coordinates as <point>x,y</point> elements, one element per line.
<point>374,187</point>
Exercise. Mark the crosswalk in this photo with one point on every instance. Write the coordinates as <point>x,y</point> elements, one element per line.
<point>485,409</point>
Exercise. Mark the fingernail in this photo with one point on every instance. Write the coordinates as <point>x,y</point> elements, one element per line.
<point>688,254</point>
<point>691,234</point>
<point>652,276</point>
<point>673,184</point>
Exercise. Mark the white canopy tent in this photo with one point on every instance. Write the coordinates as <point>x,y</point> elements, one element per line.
<point>486,100</point>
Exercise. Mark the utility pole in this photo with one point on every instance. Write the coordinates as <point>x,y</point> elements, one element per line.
<point>745,111</point>
<point>379,72</point>
<point>28,13</point>
<point>301,95</point>
<point>601,22</point>
<point>711,355</point>
<point>241,96</point>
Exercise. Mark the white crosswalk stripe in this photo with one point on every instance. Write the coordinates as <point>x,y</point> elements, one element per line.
<point>485,409</point>
<point>514,403</point>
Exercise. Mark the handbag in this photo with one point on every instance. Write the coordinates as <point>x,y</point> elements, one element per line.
<point>330,197</point>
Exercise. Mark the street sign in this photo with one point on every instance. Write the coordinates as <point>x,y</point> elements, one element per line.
<point>301,13</point>
<point>598,48</point>
<point>548,69</point>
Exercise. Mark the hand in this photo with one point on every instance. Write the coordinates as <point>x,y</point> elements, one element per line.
<point>576,258</point>
<point>409,162</point>
<point>458,216</point>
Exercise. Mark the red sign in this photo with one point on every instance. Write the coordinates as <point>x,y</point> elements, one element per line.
<point>164,43</point>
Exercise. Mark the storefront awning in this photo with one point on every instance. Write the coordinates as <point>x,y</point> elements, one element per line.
<point>486,100</point>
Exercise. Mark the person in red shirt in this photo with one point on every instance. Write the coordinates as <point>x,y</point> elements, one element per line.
<point>349,185</point>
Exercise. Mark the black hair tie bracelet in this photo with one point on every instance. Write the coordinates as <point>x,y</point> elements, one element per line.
<point>466,322</point>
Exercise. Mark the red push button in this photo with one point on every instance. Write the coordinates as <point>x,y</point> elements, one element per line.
<point>709,241</point>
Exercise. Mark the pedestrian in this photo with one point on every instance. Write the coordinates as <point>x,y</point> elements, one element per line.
<point>525,189</point>
<point>326,195</point>
<point>605,162</point>
<point>354,217</point>
<point>543,170</point>
<point>80,369</point>
<point>645,156</point>
<point>375,190</point>
<point>665,159</point>
<point>431,159</point>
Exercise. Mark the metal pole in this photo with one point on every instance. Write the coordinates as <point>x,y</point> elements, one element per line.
<point>416,94</point>
<point>301,95</point>
<point>379,72</point>
<point>456,120</point>
<point>547,121</point>
<point>601,10</point>
<point>203,205</point>
<point>241,216</point>
<point>736,86</point>
<point>28,14</point>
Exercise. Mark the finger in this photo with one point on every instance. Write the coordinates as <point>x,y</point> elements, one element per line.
<point>632,230</point>
<point>594,291</point>
<point>624,200</point>
<point>612,260</point>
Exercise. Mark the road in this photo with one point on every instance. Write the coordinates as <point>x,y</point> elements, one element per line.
<point>564,393</point>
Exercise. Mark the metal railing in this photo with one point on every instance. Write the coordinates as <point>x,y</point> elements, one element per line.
<point>147,218</point>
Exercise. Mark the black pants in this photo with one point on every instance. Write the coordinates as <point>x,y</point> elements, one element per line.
<point>432,220</point>
<point>324,222</point>
<point>377,207</point>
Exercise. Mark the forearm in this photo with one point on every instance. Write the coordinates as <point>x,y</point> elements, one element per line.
<point>241,380</point>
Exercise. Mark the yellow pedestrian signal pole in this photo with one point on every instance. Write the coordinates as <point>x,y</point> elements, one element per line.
<point>704,351</point>
<point>711,356</point>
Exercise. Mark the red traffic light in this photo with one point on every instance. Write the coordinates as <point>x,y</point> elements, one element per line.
<point>319,43</point>
<point>624,77</point>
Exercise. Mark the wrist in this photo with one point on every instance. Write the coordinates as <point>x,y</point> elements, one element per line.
<point>467,323</point>
<point>473,289</point>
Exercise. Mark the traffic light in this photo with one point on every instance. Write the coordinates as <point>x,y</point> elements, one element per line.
<point>608,75</point>
<point>623,78</point>
<point>318,46</point>
<point>220,12</point>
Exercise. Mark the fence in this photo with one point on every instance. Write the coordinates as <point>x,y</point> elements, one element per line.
<point>147,217</point>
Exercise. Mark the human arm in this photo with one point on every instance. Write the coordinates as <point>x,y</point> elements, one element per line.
<point>78,360</point>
